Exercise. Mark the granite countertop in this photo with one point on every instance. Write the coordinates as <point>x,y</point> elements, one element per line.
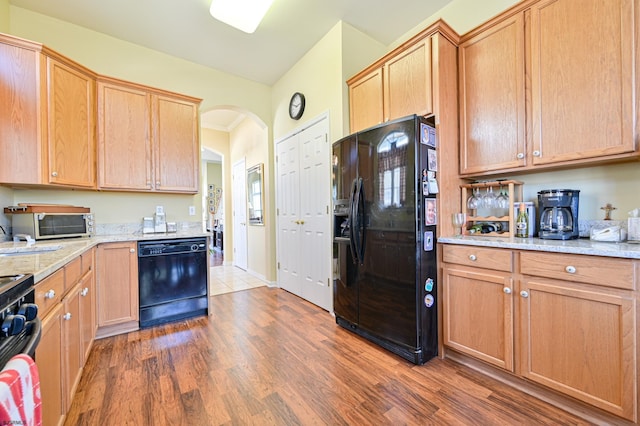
<point>49,256</point>
<point>579,246</point>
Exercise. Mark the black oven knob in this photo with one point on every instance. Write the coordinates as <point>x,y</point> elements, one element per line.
<point>29,310</point>
<point>13,324</point>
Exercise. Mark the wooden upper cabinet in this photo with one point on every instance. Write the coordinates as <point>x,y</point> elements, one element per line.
<point>492,98</point>
<point>395,86</point>
<point>582,79</point>
<point>176,145</point>
<point>366,104</point>
<point>52,111</point>
<point>407,82</point>
<point>124,137</point>
<point>47,110</point>
<point>147,140</point>
<point>20,114</point>
<point>550,84</point>
<point>71,125</point>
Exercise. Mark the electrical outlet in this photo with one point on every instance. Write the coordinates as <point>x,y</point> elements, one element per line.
<point>192,210</point>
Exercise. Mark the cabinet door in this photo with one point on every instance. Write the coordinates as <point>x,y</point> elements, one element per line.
<point>117,265</point>
<point>492,104</point>
<point>478,314</point>
<point>124,138</point>
<point>49,359</point>
<point>366,106</point>
<point>580,340</point>
<point>407,82</point>
<point>72,346</point>
<point>176,145</point>
<point>71,126</point>
<point>87,313</point>
<point>20,119</point>
<point>582,79</point>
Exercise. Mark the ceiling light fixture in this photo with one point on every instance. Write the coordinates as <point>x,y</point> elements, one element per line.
<point>244,15</point>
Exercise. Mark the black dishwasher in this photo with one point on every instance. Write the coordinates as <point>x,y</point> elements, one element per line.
<point>173,280</point>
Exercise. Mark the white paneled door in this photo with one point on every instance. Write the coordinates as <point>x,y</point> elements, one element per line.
<point>304,222</point>
<point>239,203</point>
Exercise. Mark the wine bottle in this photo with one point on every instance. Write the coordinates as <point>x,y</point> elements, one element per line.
<point>522,222</point>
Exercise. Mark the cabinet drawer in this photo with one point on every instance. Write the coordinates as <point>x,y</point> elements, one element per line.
<point>87,261</point>
<point>488,258</point>
<point>586,269</point>
<point>49,292</point>
<point>73,272</point>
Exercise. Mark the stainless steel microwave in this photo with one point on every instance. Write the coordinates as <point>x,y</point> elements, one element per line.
<point>44,226</point>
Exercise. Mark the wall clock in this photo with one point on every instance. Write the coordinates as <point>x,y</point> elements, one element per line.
<point>296,106</point>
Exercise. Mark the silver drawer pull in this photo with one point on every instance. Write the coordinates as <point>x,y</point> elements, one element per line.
<point>520,155</point>
<point>472,257</point>
<point>67,316</point>
<point>506,290</point>
<point>524,294</point>
<point>50,294</point>
<point>570,269</point>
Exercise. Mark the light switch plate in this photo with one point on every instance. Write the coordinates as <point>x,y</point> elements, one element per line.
<point>192,210</point>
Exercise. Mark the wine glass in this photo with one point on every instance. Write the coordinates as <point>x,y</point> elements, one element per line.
<point>474,201</point>
<point>458,220</point>
<point>502,200</point>
<point>489,199</point>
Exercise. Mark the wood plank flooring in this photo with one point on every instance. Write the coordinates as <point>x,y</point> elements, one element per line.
<point>266,357</point>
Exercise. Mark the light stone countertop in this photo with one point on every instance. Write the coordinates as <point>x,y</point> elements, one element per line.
<point>43,263</point>
<point>580,246</point>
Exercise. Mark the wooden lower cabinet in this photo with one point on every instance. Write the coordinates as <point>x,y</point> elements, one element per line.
<point>555,328</point>
<point>117,272</point>
<point>65,342</point>
<point>49,360</point>
<point>73,349</point>
<point>478,314</point>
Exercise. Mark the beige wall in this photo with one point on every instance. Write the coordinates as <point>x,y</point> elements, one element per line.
<point>249,140</point>
<point>4,16</point>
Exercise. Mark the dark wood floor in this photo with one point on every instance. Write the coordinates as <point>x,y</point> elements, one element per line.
<point>268,357</point>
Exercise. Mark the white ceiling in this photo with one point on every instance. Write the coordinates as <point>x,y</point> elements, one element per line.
<point>185,29</point>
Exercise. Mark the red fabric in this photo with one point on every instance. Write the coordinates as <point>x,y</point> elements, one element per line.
<point>20,400</point>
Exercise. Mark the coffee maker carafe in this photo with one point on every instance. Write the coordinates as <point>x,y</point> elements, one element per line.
<point>558,214</point>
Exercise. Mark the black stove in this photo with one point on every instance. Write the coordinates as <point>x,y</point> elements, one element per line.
<point>20,327</point>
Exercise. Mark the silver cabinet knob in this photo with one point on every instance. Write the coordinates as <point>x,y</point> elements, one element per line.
<point>570,269</point>
<point>524,294</point>
<point>84,291</point>
<point>67,316</point>
<point>50,294</point>
<point>472,257</point>
<point>54,174</point>
<point>132,250</point>
<point>520,155</point>
<point>506,290</point>
<point>536,153</point>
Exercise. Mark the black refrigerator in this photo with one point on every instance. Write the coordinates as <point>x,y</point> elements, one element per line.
<point>384,252</point>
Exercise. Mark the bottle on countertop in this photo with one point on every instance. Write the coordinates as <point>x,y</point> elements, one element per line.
<point>522,222</point>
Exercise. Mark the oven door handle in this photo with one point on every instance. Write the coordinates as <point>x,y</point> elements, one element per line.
<point>36,333</point>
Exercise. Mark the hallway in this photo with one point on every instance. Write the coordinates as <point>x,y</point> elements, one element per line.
<point>228,278</point>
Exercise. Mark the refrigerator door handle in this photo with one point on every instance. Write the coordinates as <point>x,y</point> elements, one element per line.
<point>357,227</point>
<point>352,243</point>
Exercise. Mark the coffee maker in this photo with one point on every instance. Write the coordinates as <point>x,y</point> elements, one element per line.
<point>558,214</point>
